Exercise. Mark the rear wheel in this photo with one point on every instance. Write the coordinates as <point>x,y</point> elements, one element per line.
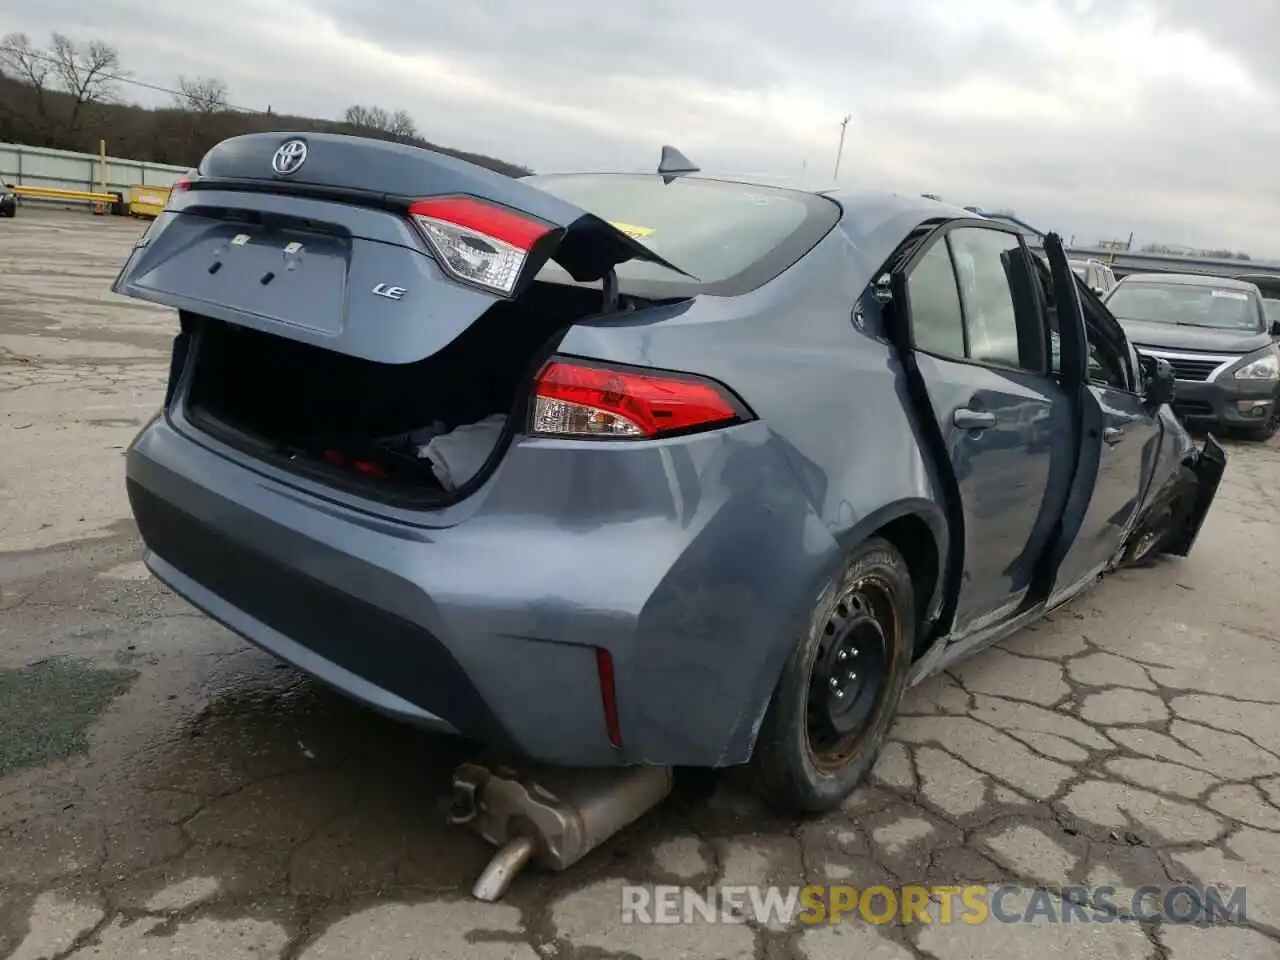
<point>841,686</point>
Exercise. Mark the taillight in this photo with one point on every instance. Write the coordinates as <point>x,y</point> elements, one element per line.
<point>179,186</point>
<point>580,399</point>
<point>477,242</point>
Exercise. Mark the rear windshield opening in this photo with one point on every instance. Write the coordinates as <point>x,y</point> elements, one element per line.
<point>413,432</point>
<point>732,237</point>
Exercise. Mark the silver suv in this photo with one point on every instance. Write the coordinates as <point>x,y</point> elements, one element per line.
<point>1096,275</point>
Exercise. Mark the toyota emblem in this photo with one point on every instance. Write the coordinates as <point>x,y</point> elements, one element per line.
<point>289,158</point>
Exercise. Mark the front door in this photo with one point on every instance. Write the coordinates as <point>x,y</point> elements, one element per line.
<point>1121,439</point>
<point>979,346</point>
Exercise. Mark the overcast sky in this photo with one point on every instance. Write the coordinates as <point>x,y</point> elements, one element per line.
<point>1092,117</point>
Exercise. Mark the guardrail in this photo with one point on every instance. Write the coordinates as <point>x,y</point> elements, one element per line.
<point>73,196</point>
<point>102,202</point>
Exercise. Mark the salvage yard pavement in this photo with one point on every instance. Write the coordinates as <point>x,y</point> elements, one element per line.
<point>167,790</point>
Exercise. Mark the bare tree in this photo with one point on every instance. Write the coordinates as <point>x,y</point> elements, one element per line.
<point>368,118</point>
<point>20,60</point>
<point>398,124</point>
<point>87,71</point>
<point>201,94</point>
<point>402,125</point>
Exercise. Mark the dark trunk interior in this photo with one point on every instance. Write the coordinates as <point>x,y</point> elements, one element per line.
<point>326,412</point>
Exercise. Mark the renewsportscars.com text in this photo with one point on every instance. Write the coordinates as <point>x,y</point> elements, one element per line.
<point>920,904</point>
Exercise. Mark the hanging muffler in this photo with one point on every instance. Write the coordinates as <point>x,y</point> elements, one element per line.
<point>552,817</point>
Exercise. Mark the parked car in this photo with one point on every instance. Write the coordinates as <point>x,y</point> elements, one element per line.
<point>1096,275</point>
<point>1216,334</point>
<point>1269,286</point>
<point>1271,308</point>
<point>8,201</point>
<point>624,469</point>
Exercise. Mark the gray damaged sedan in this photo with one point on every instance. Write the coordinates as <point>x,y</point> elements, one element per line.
<point>633,469</point>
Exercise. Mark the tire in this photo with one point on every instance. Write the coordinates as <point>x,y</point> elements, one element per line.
<point>1269,429</point>
<point>1156,530</point>
<point>1145,544</point>
<point>802,762</point>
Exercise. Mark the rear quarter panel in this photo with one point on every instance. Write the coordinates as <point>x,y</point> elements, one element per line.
<point>808,355</point>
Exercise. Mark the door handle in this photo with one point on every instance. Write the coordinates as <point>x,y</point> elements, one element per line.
<point>967,419</point>
<point>1112,435</point>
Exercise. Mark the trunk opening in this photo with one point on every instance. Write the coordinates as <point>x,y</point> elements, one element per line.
<point>421,433</point>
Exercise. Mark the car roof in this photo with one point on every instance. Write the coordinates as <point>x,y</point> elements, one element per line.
<point>1193,280</point>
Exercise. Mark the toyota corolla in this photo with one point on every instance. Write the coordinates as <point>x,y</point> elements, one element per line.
<point>633,469</point>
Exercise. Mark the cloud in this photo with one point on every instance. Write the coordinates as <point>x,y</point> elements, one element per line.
<point>1094,117</point>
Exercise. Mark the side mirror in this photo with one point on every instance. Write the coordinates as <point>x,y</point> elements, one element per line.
<point>1275,328</point>
<point>1159,383</point>
<point>882,289</point>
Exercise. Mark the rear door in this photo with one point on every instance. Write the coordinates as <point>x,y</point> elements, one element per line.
<point>979,346</point>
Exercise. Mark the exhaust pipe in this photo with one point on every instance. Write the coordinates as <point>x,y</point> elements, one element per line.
<point>549,816</point>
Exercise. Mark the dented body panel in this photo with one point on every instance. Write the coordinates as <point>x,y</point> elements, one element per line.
<point>694,561</point>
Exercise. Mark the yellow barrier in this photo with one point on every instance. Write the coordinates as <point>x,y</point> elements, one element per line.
<point>55,193</point>
<point>147,201</point>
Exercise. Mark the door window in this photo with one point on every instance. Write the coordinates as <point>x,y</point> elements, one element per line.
<point>937,322</point>
<point>985,263</point>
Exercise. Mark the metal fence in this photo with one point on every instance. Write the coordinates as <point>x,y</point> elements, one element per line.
<point>21,165</point>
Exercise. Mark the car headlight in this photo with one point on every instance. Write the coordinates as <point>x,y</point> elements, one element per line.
<point>1264,368</point>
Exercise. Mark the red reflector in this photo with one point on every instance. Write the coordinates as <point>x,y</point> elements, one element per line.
<point>573,399</point>
<point>608,696</point>
<point>368,468</point>
<point>334,456</point>
<point>483,218</point>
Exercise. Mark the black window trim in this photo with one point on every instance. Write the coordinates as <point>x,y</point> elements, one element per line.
<point>942,234</point>
<point>1097,303</point>
<point>1133,376</point>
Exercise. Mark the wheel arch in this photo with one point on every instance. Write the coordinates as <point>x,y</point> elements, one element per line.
<point>917,528</point>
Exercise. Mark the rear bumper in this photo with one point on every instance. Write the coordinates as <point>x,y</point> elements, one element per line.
<point>1225,402</point>
<point>693,562</point>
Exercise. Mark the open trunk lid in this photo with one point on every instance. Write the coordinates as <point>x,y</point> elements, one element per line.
<point>366,247</point>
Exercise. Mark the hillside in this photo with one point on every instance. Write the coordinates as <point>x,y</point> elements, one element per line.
<point>52,118</point>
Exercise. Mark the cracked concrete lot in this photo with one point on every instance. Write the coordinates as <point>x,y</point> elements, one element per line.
<point>167,791</point>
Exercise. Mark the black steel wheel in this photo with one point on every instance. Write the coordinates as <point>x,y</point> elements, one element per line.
<point>839,690</point>
<point>847,679</point>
